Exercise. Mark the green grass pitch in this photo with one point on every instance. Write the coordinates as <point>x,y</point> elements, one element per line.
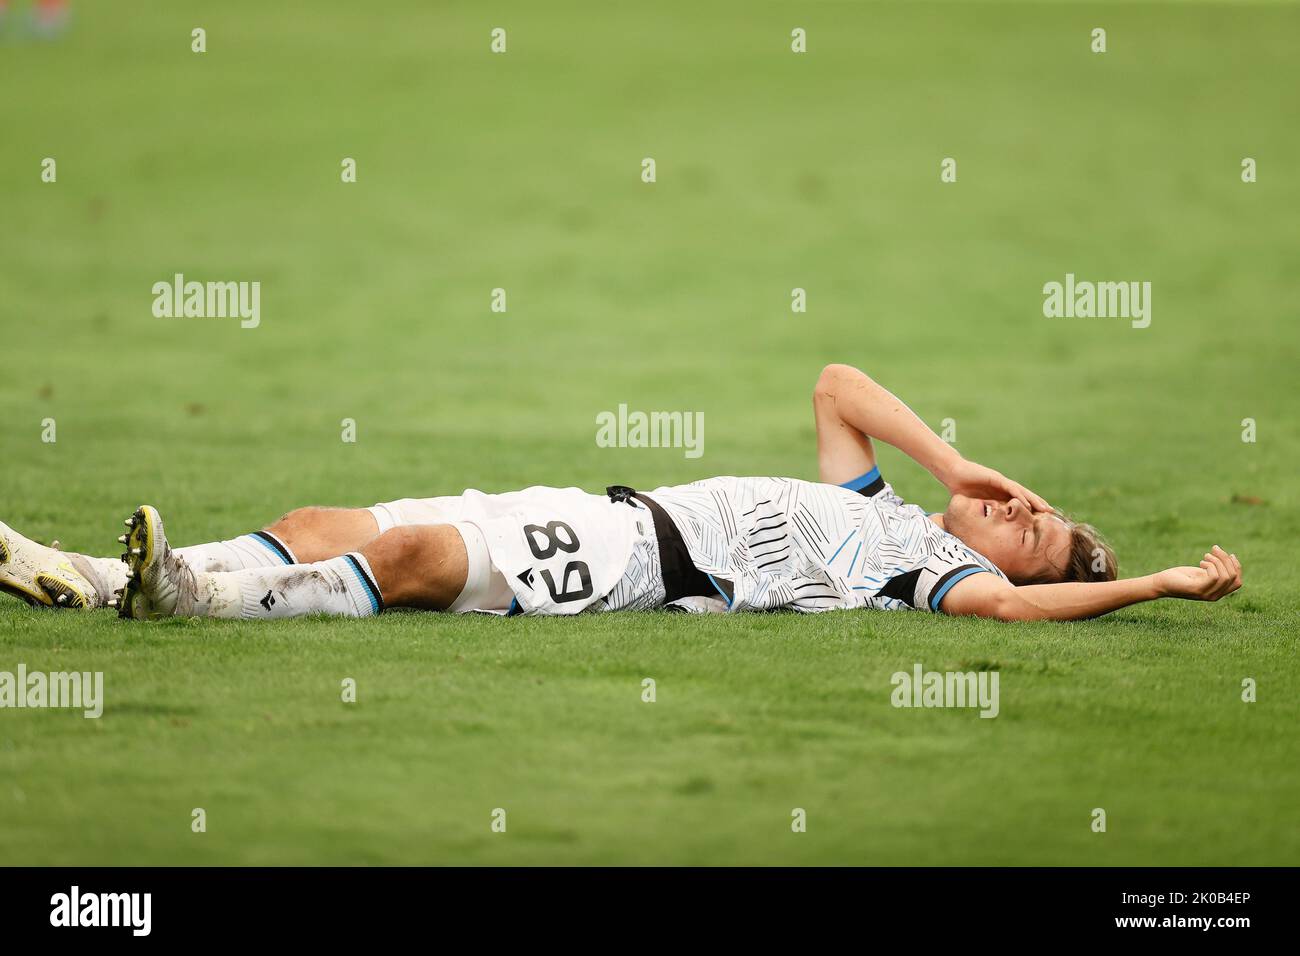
<point>774,171</point>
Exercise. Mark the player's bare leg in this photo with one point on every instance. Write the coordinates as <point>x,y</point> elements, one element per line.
<point>300,537</point>
<point>419,566</point>
<point>422,566</point>
<point>316,534</point>
<point>47,577</point>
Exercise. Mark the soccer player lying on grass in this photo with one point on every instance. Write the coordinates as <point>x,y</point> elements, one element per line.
<point>737,544</point>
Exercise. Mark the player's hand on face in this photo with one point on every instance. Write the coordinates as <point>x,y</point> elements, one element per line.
<point>1219,574</point>
<point>978,481</point>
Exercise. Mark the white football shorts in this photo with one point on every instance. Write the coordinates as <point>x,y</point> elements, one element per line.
<point>545,551</point>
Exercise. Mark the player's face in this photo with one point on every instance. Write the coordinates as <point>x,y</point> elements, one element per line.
<point>1025,545</point>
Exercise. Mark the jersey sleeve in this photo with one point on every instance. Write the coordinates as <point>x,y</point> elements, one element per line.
<point>941,570</point>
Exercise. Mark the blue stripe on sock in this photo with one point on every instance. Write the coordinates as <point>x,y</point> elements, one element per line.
<point>269,547</point>
<point>371,591</point>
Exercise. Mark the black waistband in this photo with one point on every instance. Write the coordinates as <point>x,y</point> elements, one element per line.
<point>681,577</point>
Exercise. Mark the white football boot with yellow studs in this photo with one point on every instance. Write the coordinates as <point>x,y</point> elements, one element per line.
<point>161,584</point>
<point>47,577</point>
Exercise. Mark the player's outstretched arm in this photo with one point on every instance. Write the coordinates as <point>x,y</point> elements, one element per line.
<point>851,409</point>
<point>984,595</point>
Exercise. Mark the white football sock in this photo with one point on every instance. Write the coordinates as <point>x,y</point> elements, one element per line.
<point>261,549</point>
<point>344,586</point>
<point>105,574</point>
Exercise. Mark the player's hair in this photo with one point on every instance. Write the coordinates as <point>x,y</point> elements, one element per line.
<point>1090,558</point>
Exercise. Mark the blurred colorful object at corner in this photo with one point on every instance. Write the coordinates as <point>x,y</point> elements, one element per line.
<point>45,20</point>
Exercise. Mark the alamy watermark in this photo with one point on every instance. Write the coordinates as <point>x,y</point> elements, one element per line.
<point>923,688</point>
<point>633,429</point>
<point>75,908</point>
<point>1103,300</point>
<point>79,690</point>
<point>208,300</point>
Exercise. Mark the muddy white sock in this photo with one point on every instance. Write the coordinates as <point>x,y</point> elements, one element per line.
<point>105,574</point>
<point>261,549</point>
<point>344,586</point>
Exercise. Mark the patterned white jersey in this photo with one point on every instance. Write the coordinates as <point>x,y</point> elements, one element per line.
<point>771,543</point>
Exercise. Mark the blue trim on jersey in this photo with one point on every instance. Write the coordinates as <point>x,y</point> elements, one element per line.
<point>855,557</point>
<point>514,607</point>
<point>720,591</point>
<point>936,598</point>
<point>840,548</point>
<point>857,484</point>
<point>269,547</point>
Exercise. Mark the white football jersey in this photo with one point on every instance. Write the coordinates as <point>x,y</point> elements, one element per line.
<point>785,543</point>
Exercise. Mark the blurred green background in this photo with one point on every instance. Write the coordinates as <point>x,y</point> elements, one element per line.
<point>774,171</point>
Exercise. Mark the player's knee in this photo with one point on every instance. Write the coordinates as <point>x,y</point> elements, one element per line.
<point>300,519</point>
<point>834,380</point>
<point>419,565</point>
<point>406,545</point>
<point>299,527</point>
<point>824,387</point>
<point>315,533</point>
